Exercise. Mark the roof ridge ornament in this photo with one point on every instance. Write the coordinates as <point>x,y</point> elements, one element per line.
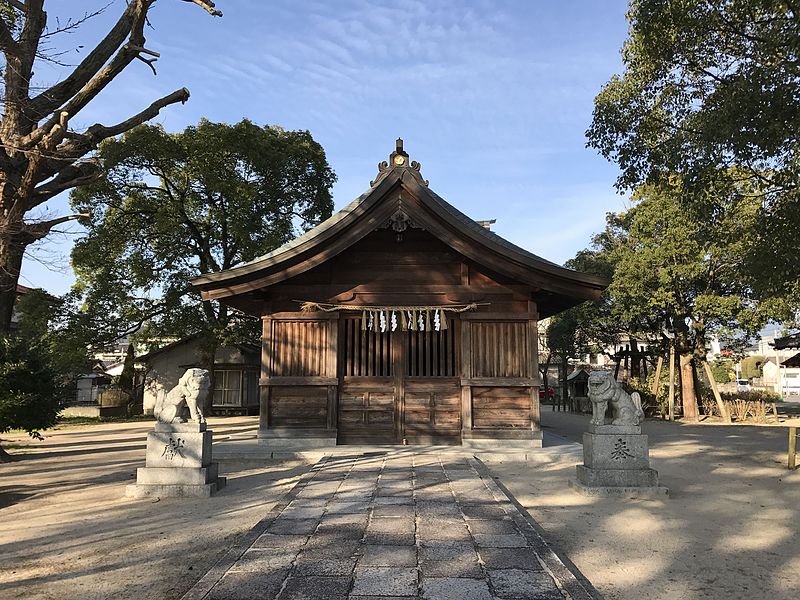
<point>398,160</point>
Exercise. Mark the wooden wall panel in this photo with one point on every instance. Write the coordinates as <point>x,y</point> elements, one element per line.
<point>432,408</point>
<point>417,270</point>
<point>298,406</point>
<point>299,348</point>
<point>500,349</point>
<point>367,412</point>
<point>501,407</point>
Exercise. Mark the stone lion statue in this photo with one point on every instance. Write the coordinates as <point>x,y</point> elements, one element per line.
<point>183,402</point>
<point>603,389</point>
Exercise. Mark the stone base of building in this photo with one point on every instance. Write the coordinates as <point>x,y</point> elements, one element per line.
<point>501,440</point>
<point>296,439</point>
<point>177,464</point>
<point>616,462</point>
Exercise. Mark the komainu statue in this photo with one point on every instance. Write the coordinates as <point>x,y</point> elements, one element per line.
<point>604,389</point>
<point>184,401</point>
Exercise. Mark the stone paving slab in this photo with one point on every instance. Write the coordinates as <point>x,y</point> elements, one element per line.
<point>394,525</point>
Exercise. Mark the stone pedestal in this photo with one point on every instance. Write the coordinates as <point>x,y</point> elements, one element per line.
<point>616,462</point>
<point>177,464</point>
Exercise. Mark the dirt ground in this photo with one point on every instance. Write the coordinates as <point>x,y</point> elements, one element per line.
<point>67,532</point>
<point>728,530</point>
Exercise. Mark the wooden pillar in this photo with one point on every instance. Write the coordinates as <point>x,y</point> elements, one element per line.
<point>331,369</point>
<point>266,372</point>
<point>400,358</point>
<point>792,462</point>
<point>533,372</point>
<point>658,377</point>
<point>465,369</point>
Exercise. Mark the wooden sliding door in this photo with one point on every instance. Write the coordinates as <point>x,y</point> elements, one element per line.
<point>432,394</point>
<point>397,387</point>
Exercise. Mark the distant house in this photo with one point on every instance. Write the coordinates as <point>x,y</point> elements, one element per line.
<point>88,388</point>
<point>236,370</point>
<point>578,386</point>
<point>783,378</point>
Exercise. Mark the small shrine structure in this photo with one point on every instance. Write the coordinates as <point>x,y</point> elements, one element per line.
<point>400,320</point>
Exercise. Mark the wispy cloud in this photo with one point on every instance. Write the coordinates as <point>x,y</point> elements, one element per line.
<point>492,97</point>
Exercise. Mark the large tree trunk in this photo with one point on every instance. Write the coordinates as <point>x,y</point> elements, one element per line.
<point>636,360</point>
<point>564,391</point>
<point>688,391</point>
<point>11,253</point>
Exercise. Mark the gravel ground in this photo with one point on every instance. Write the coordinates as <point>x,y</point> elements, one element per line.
<point>68,532</point>
<point>728,530</point>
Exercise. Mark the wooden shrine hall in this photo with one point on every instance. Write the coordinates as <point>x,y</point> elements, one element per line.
<point>400,320</point>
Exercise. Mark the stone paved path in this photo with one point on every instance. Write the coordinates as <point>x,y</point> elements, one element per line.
<point>393,525</point>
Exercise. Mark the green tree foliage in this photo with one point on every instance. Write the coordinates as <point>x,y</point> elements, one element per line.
<point>682,264</point>
<point>172,206</point>
<point>31,391</point>
<point>677,270</point>
<point>606,323</point>
<point>752,366</point>
<point>51,325</point>
<point>38,365</point>
<point>706,86</point>
<point>723,371</point>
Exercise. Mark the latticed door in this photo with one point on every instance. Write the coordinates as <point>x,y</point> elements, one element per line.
<point>398,386</point>
<point>431,390</point>
<point>368,407</point>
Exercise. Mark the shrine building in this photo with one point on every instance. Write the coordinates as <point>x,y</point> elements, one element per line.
<point>400,320</point>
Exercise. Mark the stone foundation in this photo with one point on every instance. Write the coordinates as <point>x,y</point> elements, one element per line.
<point>177,464</point>
<point>616,462</point>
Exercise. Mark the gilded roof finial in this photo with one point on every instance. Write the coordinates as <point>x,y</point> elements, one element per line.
<point>398,160</point>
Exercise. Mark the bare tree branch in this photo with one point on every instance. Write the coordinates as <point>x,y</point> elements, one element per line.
<point>72,25</point>
<point>35,22</point>
<point>57,95</point>
<point>39,230</point>
<point>78,144</point>
<point>208,6</point>
<point>100,132</point>
<point>69,177</point>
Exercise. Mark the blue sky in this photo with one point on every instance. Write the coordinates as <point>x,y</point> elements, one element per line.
<point>492,97</point>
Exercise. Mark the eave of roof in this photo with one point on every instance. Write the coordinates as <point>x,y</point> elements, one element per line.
<point>789,341</point>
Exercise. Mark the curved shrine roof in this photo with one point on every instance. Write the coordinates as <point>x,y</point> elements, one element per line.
<point>399,192</point>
